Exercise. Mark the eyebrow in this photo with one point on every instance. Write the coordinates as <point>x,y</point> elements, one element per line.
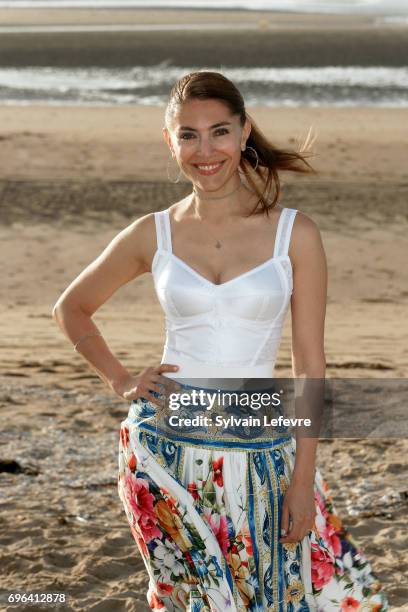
<point>185,127</point>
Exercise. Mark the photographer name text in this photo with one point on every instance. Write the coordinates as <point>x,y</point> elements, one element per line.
<point>233,421</point>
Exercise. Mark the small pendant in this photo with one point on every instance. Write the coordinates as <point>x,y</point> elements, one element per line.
<point>218,244</point>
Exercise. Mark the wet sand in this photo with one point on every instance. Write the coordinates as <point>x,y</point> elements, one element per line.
<point>271,39</point>
<point>262,48</point>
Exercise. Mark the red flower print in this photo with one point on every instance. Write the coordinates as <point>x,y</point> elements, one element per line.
<point>155,603</point>
<point>217,468</point>
<point>245,537</point>
<point>189,558</point>
<point>192,488</point>
<point>171,502</point>
<point>139,541</point>
<point>330,536</point>
<point>322,568</point>
<point>219,527</point>
<point>124,436</point>
<point>321,504</point>
<point>349,604</point>
<point>141,502</point>
<point>325,486</point>
<point>132,463</point>
<point>336,522</point>
<point>164,589</point>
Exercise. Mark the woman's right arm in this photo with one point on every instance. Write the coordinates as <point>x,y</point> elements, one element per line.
<point>127,256</point>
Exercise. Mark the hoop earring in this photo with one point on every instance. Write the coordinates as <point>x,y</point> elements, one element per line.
<point>256,155</point>
<point>177,180</point>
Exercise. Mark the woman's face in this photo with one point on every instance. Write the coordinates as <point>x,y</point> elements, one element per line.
<point>206,140</point>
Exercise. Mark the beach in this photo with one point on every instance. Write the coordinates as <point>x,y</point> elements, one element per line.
<point>269,39</point>
<point>267,42</point>
<point>71,177</point>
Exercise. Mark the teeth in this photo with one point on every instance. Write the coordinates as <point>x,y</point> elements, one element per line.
<point>209,167</point>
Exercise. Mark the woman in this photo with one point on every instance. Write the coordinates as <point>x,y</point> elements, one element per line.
<point>223,521</point>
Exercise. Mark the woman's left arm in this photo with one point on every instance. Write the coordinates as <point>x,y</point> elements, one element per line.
<point>308,307</point>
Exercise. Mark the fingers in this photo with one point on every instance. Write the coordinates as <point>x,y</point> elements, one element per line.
<point>294,534</point>
<point>284,521</point>
<point>144,392</point>
<point>150,386</point>
<point>140,390</point>
<point>298,530</point>
<point>295,525</point>
<point>154,400</point>
<point>167,367</point>
<point>169,385</point>
<point>151,380</point>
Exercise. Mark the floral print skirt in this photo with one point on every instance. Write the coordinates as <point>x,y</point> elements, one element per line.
<point>205,515</point>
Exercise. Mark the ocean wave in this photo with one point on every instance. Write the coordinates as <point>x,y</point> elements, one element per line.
<point>329,85</point>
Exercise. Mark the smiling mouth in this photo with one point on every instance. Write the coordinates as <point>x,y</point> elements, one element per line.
<point>209,168</point>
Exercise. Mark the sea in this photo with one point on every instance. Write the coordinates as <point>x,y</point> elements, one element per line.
<point>345,86</point>
<point>150,85</point>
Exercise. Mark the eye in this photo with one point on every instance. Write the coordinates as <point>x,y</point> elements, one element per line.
<point>221,131</point>
<point>186,136</point>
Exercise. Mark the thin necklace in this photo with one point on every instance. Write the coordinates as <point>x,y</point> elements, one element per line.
<point>218,244</point>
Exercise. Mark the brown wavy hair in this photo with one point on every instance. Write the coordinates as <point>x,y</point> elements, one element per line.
<point>206,85</point>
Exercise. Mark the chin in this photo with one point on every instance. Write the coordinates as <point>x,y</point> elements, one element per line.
<point>211,185</point>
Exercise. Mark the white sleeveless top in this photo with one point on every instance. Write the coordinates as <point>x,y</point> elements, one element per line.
<point>230,330</point>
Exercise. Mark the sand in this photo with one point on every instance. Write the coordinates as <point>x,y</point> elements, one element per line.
<point>107,16</point>
<point>263,47</point>
<point>70,179</point>
<point>263,39</point>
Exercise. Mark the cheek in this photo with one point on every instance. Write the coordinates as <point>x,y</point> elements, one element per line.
<point>185,156</point>
<point>233,147</point>
<point>185,151</point>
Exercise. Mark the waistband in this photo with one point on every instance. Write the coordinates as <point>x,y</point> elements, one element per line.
<point>215,419</point>
<point>157,435</point>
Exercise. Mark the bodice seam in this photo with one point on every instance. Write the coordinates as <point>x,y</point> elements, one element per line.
<point>205,280</point>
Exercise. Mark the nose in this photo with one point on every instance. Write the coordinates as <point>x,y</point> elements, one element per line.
<point>205,146</point>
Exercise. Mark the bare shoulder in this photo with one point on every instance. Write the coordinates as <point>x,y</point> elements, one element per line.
<point>142,226</point>
<point>304,229</point>
<point>305,225</point>
<point>140,235</point>
<point>306,239</point>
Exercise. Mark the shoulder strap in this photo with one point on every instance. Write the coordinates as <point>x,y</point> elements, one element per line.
<point>163,230</point>
<point>284,231</point>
